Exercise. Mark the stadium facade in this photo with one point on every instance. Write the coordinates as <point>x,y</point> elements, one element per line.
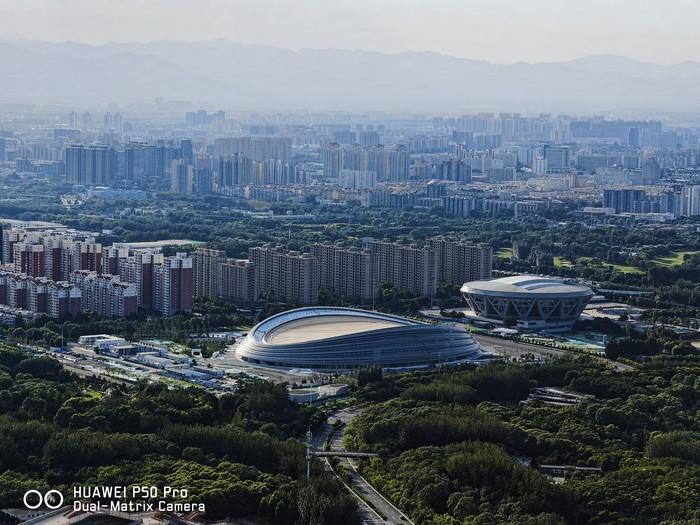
<point>538,303</point>
<point>334,339</point>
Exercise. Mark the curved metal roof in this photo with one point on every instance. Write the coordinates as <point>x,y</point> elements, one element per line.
<point>341,338</point>
<point>531,286</point>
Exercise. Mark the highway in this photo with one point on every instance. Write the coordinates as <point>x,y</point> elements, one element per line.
<point>369,517</point>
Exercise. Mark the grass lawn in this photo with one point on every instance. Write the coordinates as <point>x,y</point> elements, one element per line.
<point>559,262</point>
<point>672,259</point>
<point>618,267</point>
<point>624,269</point>
<point>504,253</point>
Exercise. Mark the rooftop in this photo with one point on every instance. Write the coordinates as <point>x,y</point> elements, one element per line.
<point>527,284</point>
<point>324,327</point>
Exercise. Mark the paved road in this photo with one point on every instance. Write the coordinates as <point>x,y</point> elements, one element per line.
<point>506,347</point>
<point>368,515</point>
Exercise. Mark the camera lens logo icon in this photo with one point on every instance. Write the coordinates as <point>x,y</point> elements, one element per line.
<point>33,499</point>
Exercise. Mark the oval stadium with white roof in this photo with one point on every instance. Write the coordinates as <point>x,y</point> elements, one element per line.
<point>536,302</point>
<point>330,338</point>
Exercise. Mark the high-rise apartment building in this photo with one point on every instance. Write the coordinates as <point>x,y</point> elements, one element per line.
<point>377,161</point>
<point>206,272</point>
<point>345,271</point>
<point>357,180</point>
<point>651,172</point>
<point>286,275</point>
<point>354,158</point>
<point>690,201</point>
<point>50,254</point>
<point>60,300</point>
<point>368,139</point>
<point>332,158</point>
<point>181,177</point>
<point>623,199</point>
<point>90,165</point>
<point>172,285</point>
<point>106,295</point>
<point>405,266</point>
<point>460,262</point>
<point>398,164</point>
<point>238,281</point>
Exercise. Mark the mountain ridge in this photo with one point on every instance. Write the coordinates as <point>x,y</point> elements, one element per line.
<point>254,77</point>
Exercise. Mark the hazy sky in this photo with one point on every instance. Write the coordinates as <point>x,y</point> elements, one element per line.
<point>502,31</point>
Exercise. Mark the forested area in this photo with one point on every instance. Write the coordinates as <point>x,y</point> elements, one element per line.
<point>239,454</point>
<point>208,315</point>
<point>451,443</point>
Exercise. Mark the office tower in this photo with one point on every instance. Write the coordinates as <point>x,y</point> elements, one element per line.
<point>73,119</point>
<point>377,161</point>
<point>286,276</point>
<point>398,161</point>
<point>238,282</point>
<point>90,165</point>
<point>172,285</point>
<point>206,271</point>
<point>87,120</point>
<point>181,176</point>
<point>332,158</point>
<point>345,271</point>
<point>459,262</point>
<point>354,158</point>
<point>405,267</point>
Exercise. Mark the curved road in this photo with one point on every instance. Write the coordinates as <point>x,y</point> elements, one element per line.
<point>506,347</point>
<point>369,517</point>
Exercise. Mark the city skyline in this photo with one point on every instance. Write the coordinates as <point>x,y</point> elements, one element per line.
<point>502,31</point>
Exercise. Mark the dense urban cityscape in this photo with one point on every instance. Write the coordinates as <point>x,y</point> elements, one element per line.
<point>349,263</point>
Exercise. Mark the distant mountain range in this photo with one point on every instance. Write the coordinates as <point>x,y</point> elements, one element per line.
<point>237,76</point>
